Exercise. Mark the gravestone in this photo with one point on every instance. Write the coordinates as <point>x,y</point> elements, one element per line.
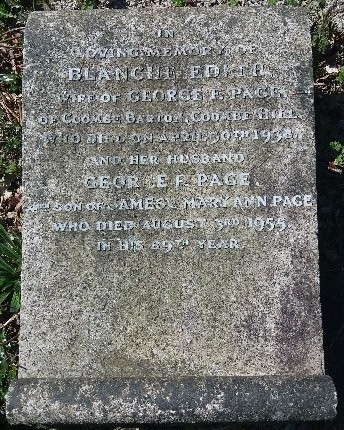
<point>170,270</point>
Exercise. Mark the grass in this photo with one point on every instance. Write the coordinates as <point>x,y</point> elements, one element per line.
<point>10,267</point>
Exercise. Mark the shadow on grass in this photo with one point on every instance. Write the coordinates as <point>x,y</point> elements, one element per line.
<point>329,111</point>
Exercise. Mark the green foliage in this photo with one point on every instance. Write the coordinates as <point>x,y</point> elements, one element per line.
<point>285,3</point>
<point>15,12</point>
<point>88,5</point>
<point>10,267</point>
<point>10,148</point>
<point>321,35</point>
<point>8,367</point>
<point>4,12</point>
<point>291,2</point>
<point>338,149</point>
<point>340,76</point>
<point>12,82</point>
<point>10,131</point>
<point>179,3</point>
<point>13,15</point>
<point>234,3</point>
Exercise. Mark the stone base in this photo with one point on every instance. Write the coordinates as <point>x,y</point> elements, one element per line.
<point>54,402</point>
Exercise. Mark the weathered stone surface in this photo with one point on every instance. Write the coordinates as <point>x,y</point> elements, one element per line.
<point>170,225</point>
<point>177,400</point>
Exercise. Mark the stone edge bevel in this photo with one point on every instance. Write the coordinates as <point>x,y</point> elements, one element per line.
<point>85,401</point>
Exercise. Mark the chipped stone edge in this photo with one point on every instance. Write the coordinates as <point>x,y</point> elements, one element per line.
<point>55,402</point>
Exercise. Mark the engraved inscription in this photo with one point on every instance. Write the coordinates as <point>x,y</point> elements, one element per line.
<point>173,138</point>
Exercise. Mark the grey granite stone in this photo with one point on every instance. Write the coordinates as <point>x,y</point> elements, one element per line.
<point>170,220</point>
<point>178,400</point>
